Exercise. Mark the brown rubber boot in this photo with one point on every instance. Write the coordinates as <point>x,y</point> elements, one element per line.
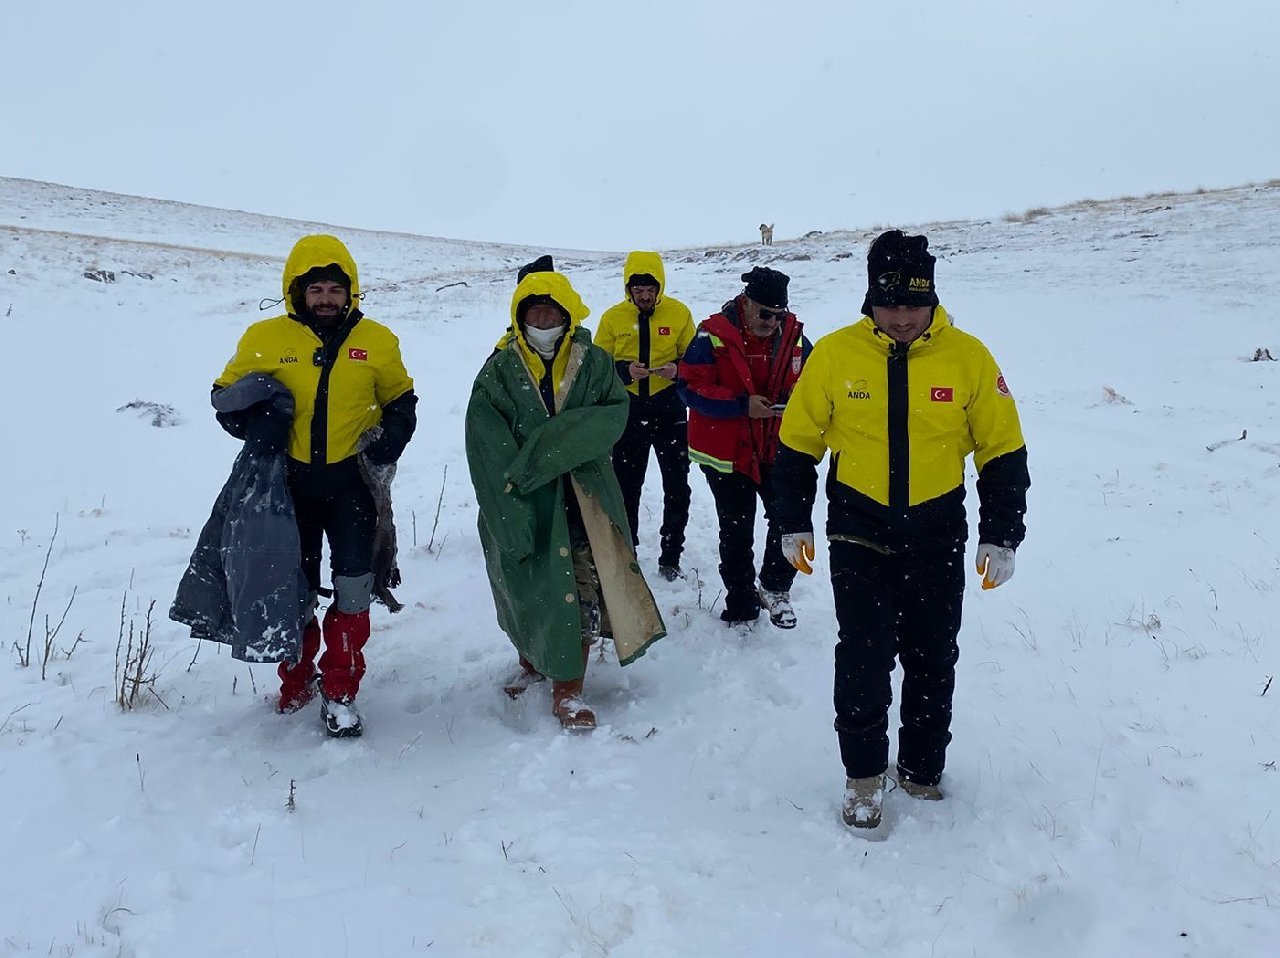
<point>568,707</point>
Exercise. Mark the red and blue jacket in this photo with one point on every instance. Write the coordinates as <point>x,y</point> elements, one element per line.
<point>716,382</point>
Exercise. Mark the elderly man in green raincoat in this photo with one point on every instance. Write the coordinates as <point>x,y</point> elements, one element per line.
<point>545,412</point>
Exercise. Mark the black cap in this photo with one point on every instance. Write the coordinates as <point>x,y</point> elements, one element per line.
<point>333,273</point>
<point>767,286</point>
<point>540,299</point>
<point>899,272</point>
<point>542,264</point>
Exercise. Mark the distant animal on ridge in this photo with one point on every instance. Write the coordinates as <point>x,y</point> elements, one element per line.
<point>766,234</point>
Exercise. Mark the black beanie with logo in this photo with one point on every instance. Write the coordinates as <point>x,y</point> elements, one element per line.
<point>899,272</point>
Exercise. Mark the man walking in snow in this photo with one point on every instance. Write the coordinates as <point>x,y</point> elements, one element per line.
<point>347,377</point>
<point>736,378</point>
<point>646,334</point>
<point>545,411</point>
<point>900,398</point>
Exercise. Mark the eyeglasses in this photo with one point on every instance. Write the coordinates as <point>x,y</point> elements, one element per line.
<point>768,314</point>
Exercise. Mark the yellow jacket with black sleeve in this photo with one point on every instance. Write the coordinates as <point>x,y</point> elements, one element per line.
<point>900,420</point>
<point>341,383</point>
<point>652,340</point>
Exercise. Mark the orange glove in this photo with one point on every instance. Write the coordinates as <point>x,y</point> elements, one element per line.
<point>797,548</point>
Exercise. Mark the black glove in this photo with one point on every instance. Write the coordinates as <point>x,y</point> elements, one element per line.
<point>399,419</point>
<point>383,451</point>
<point>267,428</point>
<point>235,423</point>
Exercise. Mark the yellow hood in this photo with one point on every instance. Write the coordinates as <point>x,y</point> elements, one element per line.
<point>309,252</point>
<point>642,261</point>
<point>555,285</point>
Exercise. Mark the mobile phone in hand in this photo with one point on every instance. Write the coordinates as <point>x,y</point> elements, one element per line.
<point>778,406</point>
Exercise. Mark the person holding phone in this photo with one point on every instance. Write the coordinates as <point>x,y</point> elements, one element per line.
<point>744,362</point>
<point>646,334</point>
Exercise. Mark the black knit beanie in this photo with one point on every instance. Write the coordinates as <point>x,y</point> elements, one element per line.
<point>766,286</point>
<point>899,272</point>
<point>543,264</point>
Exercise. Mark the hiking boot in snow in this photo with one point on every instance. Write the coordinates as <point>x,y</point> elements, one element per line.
<point>519,683</point>
<point>925,793</point>
<point>567,705</point>
<point>863,801</point>
<point>669,572</point>
<point>341,720</point>
<point>778,605</point>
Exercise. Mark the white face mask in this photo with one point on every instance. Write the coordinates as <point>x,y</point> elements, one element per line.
<point>544,341</point>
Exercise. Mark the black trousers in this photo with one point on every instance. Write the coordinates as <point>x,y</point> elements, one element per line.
<point>735,495</point>
<point>658,423</point>
<point>906,605</point>
<point>333,500</point>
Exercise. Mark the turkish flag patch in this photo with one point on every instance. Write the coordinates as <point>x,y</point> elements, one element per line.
<point>664,330</point>
<point>1002,387</point>
<point>359,355</point>
<point>942,394</point>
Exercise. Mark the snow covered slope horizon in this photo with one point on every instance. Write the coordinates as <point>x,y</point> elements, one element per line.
<point>1114,770</point>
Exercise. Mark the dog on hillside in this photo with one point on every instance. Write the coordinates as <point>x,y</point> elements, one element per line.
<point>766,234</point>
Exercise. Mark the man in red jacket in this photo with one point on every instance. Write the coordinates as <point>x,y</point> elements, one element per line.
<point>735,378</point>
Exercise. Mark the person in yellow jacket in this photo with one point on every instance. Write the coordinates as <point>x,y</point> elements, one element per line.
<point>900,399</point>
<point>647,334</point>
<point>346,376</point>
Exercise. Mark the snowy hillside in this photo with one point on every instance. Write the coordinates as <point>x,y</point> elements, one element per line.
<point>1116,762</point>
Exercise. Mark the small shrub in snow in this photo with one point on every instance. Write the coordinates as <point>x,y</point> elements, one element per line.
<point>1111,396</point>
<point>133,672</point>
<point>162,414</point>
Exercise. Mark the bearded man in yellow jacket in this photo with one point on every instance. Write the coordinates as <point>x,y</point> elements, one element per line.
<point>346,376</point>
<point>900,399</point>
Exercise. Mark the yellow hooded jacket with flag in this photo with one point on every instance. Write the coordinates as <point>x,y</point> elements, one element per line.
<point>899,421</point>
<point>333,409</point>
<point>653,342</point>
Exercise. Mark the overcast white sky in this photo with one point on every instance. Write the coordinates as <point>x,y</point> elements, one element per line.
<point>575,123</point>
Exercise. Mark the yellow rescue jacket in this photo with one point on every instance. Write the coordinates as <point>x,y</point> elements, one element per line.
<point>900,421</point>
<point>654,342</point>
<point>334,404</point>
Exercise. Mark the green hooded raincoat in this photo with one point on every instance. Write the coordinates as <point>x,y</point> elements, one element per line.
<point>517,452</point>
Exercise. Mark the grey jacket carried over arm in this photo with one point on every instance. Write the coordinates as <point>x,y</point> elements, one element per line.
<point>244,585</point>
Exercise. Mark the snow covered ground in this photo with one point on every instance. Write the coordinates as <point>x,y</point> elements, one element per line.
<point>1114,774</point>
